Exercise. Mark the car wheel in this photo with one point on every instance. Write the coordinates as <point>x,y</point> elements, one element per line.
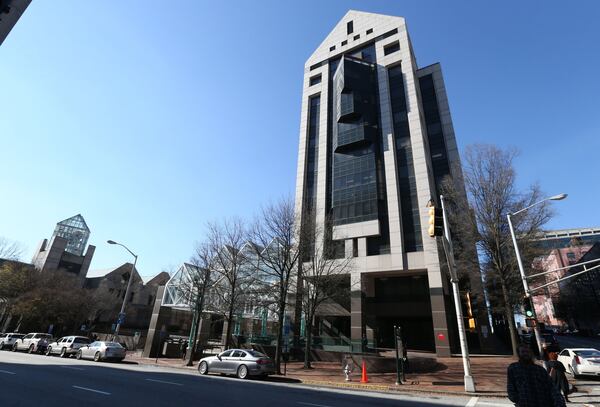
<point>78,356</point>
<point>30,349</point>
<point>97,357</point>
<point>242,372</point>
<point>63,352</point>
<point>1,345</point>
<point>14,348</point>
<point>203,368</point>
<point>49,351</point>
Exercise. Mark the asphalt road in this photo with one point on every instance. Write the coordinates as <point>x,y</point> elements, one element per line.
<point>27,380</point>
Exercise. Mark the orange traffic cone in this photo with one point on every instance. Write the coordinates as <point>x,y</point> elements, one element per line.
<point>364,378</point>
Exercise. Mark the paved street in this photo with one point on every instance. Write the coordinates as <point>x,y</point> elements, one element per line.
<point>50,381</point>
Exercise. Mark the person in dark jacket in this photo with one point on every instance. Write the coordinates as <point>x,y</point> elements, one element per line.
<point>528,384</point>
<point>557,375</point>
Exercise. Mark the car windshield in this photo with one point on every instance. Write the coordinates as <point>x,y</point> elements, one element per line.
<point>256,354</point>
<point>112,345</point>
<point>42,336</point>
<point>591,353</point>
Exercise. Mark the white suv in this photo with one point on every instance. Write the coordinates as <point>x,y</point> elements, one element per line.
<point>30,342</point>
<point>8,340</point>
<point>67,345</point>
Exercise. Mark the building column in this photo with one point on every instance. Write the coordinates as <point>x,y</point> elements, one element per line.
<point>356,313</point>
<point>440,322</point>
<point>152,345</point>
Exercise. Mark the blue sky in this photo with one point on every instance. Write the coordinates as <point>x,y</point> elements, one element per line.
<point>150,118</point>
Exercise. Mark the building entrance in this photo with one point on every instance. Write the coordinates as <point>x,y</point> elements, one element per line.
<point>405,302</point>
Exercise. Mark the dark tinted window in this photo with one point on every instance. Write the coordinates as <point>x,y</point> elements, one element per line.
<point>226,353</point>
<point>81,340</point>
<point>369,31</point>
<point>356,37</point>
<point>344,43</point>
<point>236,354</point>
<point>391,48</point>
<point>256,354</point>
<point>332,48</point>
<point>411,219</point>
<point>315,80</point>
<point>350,27</point>
<point>435,134</point>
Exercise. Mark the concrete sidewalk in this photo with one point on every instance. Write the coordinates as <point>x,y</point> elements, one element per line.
<point>489,374</point>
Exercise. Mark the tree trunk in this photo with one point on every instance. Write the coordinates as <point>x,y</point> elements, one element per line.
<point>228,330</point>
<point>510,318</point>
<point>192,347</point>
<point>280,318</point>
<point>308,337</point>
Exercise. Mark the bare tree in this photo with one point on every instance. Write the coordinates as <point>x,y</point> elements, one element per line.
<point>198,282</point>
<point>10,250</point>
<point>227,240</point>
<point>324,279</point>
<point>275,241</point>
<point>490,181</point>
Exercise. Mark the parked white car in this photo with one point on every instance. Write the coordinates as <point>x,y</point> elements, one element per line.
<point>31,341</point>
<point>101,350</point>
<point>67,345</point>
<point>8,340</point>
<point>581,361</point>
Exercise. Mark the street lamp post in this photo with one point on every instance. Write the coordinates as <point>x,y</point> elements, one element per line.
<point>122,312</point>
<point>536,328</point>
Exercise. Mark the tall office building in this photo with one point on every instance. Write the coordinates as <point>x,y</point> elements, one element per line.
<point>10,12</point>
<point>376,140</point>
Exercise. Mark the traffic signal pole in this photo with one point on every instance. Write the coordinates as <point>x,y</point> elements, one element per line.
<point>447,243</point>
<point>536,328</point>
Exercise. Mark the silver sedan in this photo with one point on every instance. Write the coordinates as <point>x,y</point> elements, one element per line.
<point>101,350</point>
<point>239,362</point>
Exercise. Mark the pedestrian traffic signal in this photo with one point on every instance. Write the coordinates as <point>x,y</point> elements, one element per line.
<point>436,222</point>
<point>527,307</point>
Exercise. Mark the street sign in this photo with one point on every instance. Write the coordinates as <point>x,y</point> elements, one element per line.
<point>121,318</point>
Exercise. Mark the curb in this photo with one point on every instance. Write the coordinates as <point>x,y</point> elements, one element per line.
<point>399,389</point>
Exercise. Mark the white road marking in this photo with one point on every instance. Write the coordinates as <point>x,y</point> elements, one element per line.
<point>92,390</point>
<point>486,403</point>
<point>472,402</point>
<point>7,372</point>
<point>312,404</point>
<point>163,381</point>
<point>71,367</point>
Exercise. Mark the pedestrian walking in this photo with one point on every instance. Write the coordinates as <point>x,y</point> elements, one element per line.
<point>183,349</point>
<point>558,375</point>
<point>529,385</point>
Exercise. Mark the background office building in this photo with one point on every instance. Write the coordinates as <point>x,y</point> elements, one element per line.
<point>376,140</point>
<point>67,250</point>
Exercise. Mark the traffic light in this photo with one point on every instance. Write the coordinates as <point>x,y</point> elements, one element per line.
<point>436,222</point>
<point>527,307</point>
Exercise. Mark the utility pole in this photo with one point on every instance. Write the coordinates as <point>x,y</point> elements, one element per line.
<point>447,243</point>
<point>121,317</point>
<point>536,328</point>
